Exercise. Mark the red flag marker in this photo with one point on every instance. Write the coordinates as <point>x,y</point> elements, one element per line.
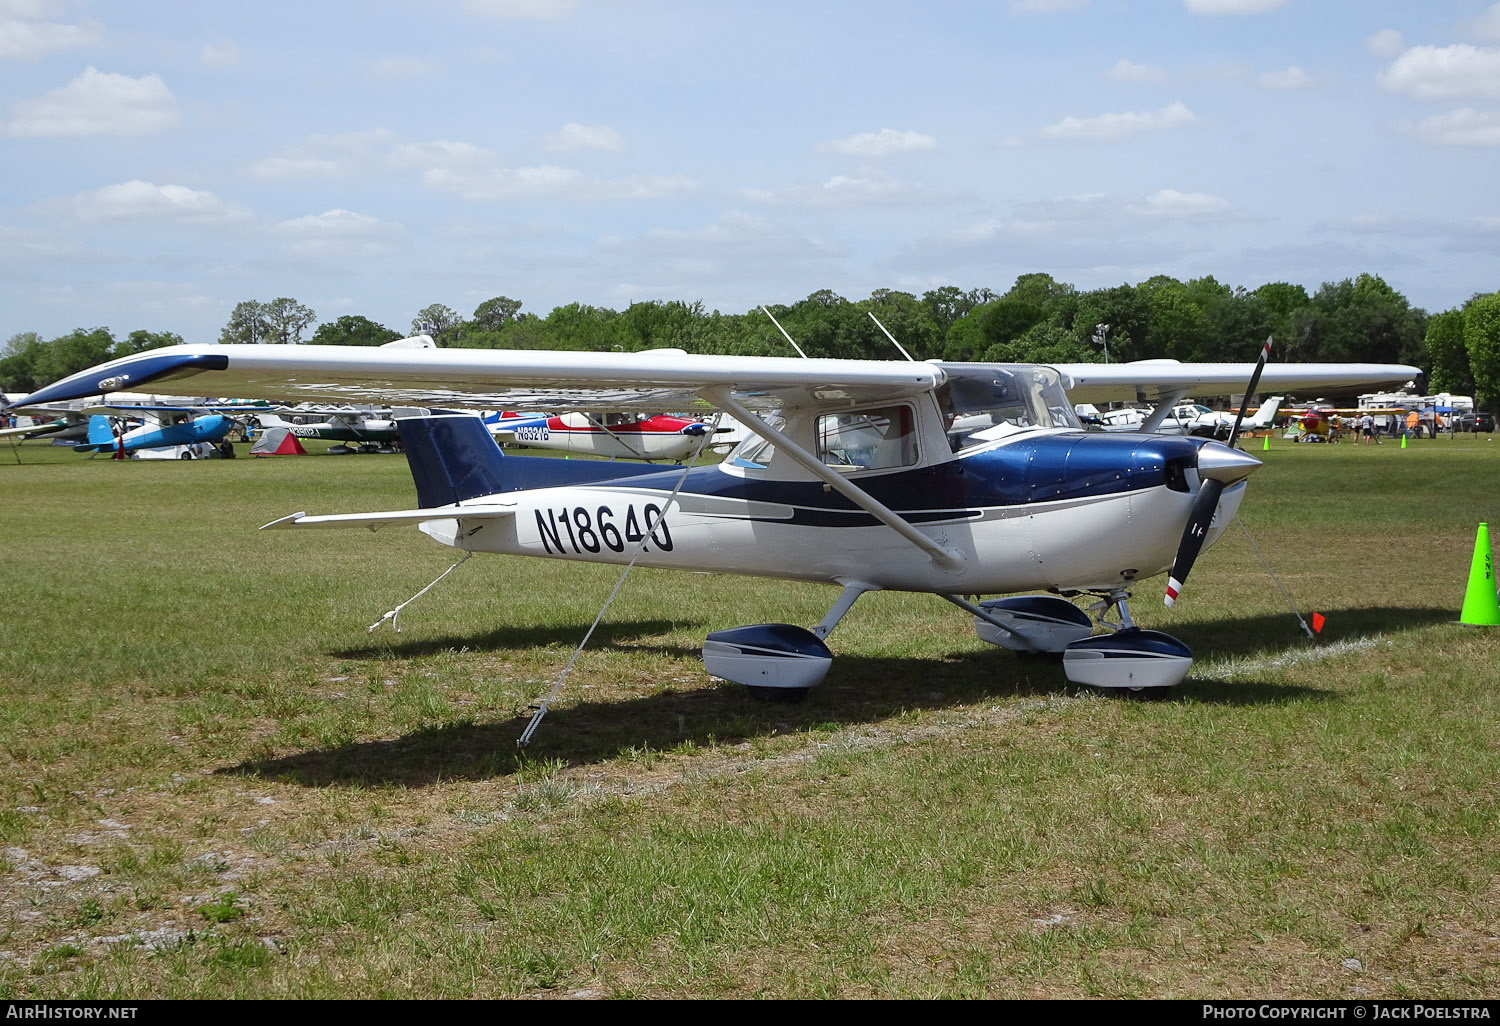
<point>1317,623</point>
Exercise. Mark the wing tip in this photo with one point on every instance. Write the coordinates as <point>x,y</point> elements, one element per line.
<point>286,521</point>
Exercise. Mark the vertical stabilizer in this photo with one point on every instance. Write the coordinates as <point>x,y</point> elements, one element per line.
<point>452,458</point>
<point>100,432</point>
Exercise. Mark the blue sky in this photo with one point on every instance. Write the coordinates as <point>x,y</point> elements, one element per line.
<point>165,161</point>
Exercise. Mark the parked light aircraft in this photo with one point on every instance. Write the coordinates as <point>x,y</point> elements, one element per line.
<point>1191,419</point>
<point>370,430</point>
<point>624,436</point>
<point>108,434</point>
<point>950,478</point>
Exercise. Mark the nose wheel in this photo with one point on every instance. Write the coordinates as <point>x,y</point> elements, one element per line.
<point>1127,660</point>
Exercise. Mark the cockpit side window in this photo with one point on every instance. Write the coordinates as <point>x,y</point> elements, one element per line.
<point>874,439</point>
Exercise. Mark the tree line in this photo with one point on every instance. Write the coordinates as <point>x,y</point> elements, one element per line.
<point>1039,319</point>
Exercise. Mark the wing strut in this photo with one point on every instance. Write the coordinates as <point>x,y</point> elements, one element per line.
<point>1164,404</point>
<point>943,556</point>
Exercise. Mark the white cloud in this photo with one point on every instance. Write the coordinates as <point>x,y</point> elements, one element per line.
<point>1115,127</point>
<point>137,200</point>
<point>98,103</point>
<point>223,54</point>
<point>1462,127</point>
<point>341,233</point>
<point>294,168</point>
<point>401,66</point>
<point>1285,79</point>
<point>439,154</point>
<point>1385,43</point>
<point>550,181</point>
<point>1172,204</point>
<point>1487,25</point>
<point>1444,72</point>
<point>573,137</point>
<point>884,143</point>
<point>337,223</point>
<point>346,155</point>
<point>27,34</point>
<point>872,190</point>
<point>1129,71</point>
<point>1216,7</point>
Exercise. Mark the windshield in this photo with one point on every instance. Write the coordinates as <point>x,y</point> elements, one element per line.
<point>984,402</point>
<point>755,452</point>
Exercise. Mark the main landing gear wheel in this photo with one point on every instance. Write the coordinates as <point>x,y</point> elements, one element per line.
<point>778,662</point>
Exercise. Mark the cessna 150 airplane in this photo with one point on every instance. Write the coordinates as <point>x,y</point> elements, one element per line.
<point>951,478</point>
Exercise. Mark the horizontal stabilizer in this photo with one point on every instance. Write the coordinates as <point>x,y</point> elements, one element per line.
<point>375,521</point>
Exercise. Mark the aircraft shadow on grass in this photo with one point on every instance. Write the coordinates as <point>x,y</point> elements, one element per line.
<point>502,639</point>
<point>857,690</point>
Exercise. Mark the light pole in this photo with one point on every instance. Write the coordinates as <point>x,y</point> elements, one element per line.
<point>1101,336</point>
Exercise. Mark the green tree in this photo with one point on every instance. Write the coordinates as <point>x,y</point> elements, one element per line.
<point>18,362</point>
<point>288,320</point>
<point>580,327</point>
<point>947,305</point>
<point>1448,354</point>
<point>1042,343</point>
<point>1124,310</point>
<point>1360,320</point>
<point>248,325</point>
<point>67,354</point>
<point>441,322</point>
<point>495,314</point>
<point>1040,290</point>
<point>1482,339</point>
<point>1177,325</point>
<point>140,340</point>
<point>353,330</point>
<point>909,319</point>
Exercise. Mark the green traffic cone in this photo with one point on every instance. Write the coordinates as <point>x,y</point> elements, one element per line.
<point>1267,446</point>
<point>1481,605</point>
<point>1403,439</point>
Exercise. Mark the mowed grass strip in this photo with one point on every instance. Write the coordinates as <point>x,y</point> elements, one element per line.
<point>215,783</point>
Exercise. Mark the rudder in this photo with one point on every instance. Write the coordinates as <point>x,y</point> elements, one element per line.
<point>452,458</point>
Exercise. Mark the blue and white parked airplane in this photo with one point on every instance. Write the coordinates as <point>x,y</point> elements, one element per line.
<point>955,479</point>
<point>108,435</point>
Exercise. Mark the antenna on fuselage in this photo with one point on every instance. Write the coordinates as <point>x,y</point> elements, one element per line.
<point>783,331</point>
<point>889,336</point>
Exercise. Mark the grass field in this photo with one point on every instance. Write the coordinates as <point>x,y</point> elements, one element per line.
<point>215,783</point>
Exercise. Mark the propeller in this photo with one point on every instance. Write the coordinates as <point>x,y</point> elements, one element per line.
<point>1215,470</point>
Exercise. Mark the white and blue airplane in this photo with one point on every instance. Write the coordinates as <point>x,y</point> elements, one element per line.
<point>949,478</point>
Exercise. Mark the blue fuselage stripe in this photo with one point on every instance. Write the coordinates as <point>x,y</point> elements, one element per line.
<point>1050,468</point>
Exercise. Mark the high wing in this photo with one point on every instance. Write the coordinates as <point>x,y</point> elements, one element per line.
<point>505,379</point>
<point>1152,380</point>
